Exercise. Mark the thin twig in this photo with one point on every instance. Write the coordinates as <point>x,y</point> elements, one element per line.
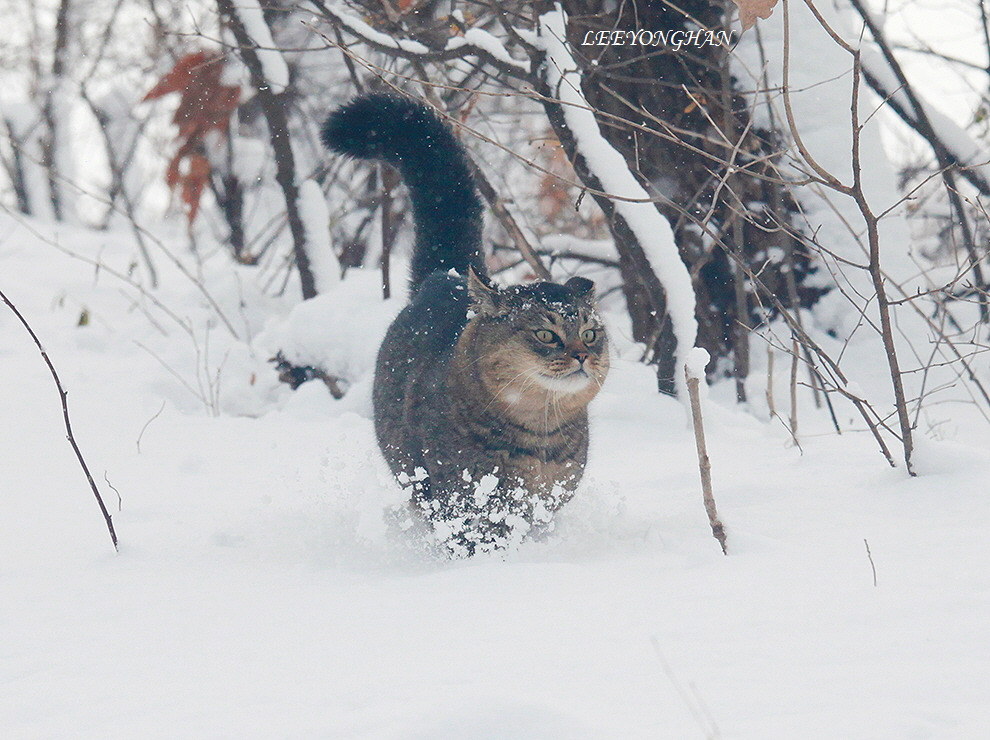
<point>120,500</point>
<point>795,357</point>
<point>870,556</point>
<point>769,391</point>
<point>509,222</point>
<point>146,424</point>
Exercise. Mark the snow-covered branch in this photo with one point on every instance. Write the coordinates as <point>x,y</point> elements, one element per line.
<point>276,71</point>
<point>315,217</point>
<point>605,165</point>
<point>276,117</point>
<point>952,144</point>
<point>475,42</point>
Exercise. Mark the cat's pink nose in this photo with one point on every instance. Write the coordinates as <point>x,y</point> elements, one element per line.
<point>580,355</point>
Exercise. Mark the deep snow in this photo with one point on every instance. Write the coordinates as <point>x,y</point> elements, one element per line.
<point>261,592</point>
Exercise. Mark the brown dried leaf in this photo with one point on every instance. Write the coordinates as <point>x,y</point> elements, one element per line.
<point>750,10</point>
<point>193,183</point>
<point>205,103</point>
<point>179,76</point>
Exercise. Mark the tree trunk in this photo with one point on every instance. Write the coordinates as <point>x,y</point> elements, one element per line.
<point>685,122</point>
<point>274,107</point>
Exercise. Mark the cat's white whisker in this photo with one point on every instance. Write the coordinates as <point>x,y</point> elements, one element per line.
<point>498,394</point>
<point>553,400</point>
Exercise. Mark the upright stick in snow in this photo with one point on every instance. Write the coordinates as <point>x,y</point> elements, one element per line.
<point>694,371</point>
<point>65,416</point>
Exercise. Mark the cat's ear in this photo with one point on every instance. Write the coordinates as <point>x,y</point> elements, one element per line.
<point>581,287</point>
<point>485,299</point>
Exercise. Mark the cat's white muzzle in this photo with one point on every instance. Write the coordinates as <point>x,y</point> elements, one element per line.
<point>570,383</point>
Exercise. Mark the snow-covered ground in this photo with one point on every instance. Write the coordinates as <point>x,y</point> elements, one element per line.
<point>260,591</point>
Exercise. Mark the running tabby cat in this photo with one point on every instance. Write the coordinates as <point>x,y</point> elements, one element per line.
<point>480,393</point>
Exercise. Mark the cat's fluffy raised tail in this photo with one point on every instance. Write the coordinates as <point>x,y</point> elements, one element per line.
<point>435,168</point>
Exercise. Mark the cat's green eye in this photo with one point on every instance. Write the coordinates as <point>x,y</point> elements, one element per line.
<point>588,336</point>
<point>546,336</point>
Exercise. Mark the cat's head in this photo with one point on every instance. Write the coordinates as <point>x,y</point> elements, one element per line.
<point>540,340</point>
